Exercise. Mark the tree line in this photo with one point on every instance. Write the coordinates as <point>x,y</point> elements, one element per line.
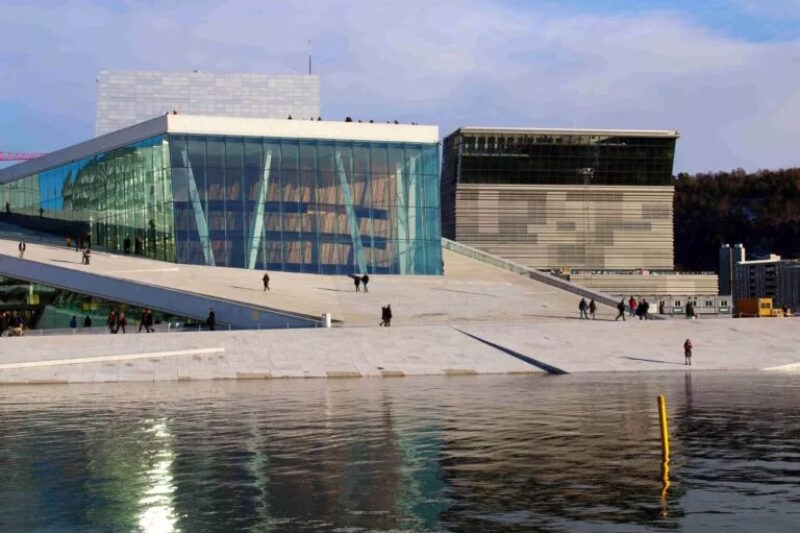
<point>760,210</point>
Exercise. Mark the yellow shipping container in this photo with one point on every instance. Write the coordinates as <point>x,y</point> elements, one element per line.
<point>754,307</point>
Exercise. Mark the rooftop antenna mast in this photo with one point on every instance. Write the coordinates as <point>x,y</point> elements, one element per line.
<point>309,57</point>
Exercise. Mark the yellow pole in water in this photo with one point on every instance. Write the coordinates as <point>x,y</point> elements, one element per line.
<point>662,415</point>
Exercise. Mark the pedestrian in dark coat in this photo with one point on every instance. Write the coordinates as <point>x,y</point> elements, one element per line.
<point>146,321</point>
<point>211,321</point>
<point>265,279</point>
<point>621,310</point>
<point>22,247</point>
<point>687,352</point>
<point>592,308</point>
<point>357,282</point>
<point>364,281</point>
<point>582,308</point>
<point>111,322</point>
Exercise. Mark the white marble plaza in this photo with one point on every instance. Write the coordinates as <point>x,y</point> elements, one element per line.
<point>436,320</point>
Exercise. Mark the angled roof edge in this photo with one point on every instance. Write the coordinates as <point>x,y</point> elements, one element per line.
<point>569,131</point>
<point>233,126</point>
<point>76,152</point>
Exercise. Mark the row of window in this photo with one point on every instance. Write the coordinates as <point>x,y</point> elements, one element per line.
<point>511,142</point>
<point>356,157</point>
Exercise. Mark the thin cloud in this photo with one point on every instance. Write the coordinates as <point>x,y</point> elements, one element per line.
<point>452,63</point>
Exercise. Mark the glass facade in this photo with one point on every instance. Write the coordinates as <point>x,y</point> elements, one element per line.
<point>317,206</point>
<point>506,157</point>
<point>108,197</point>
<point>43,307</point>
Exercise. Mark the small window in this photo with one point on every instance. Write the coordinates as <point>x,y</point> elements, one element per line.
<point>723,303</point>
<point>677,303</point>
<point>709,303</point>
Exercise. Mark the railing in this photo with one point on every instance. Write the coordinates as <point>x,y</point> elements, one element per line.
<point>164,327</point>
<point>532,273</point>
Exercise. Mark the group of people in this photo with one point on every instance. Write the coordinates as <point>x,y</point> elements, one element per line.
<point>358,281</point>
<point>640,309</point>
<point>83,241</point>
<point>11,322</point>
<point>138,247</point>
<point>587,309</point>
<point>116,322</point>
<point>83,244</point>
<point>73,322</point>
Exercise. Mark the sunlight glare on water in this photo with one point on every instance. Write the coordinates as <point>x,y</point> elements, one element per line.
<point>488,453</point>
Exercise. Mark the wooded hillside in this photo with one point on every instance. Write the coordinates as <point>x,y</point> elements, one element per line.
<point>761,210</point>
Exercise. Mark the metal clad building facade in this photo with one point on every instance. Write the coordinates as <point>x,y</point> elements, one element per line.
<point>125,98</point>
<point>562,199</point>
<point>777,278</point>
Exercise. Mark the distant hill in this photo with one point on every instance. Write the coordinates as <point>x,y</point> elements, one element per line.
<point>761,210</point>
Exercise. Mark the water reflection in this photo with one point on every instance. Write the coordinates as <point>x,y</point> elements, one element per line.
<point>157,514</point>
<point>464,454</point>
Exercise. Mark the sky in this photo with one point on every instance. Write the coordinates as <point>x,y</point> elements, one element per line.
<point>724,73</point>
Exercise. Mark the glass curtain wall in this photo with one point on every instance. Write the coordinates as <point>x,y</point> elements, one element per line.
<point>555,159</point>
<point>306,205</point>
<point>312,206</point>
<point>107,198</point>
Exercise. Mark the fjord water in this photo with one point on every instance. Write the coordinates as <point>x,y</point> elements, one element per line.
<point>504,453</point>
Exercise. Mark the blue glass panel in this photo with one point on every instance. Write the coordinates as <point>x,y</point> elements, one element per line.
<point>301,205</point>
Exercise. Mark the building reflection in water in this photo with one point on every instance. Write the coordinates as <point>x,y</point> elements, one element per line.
<point>504,453</point>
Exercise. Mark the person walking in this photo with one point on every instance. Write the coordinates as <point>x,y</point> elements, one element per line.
<point>357,282</point>
<point>211,321</point>
<point>592,308</point>
<point>645,308</point>
<point>22,246</point>
<point>87,322</point>
<point>687,352</point>
<point>582,308</point>
<point>111,322</point>
<point>364,281</point>
<point>383,316</point>
<point>621,310</point>
<point>122,321</point>
<point>73,323</point>
<point>86,257</point>
<point>388,315</point>
<point>146,321</point>
<point>265,279</point>
<point>632,306</point>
